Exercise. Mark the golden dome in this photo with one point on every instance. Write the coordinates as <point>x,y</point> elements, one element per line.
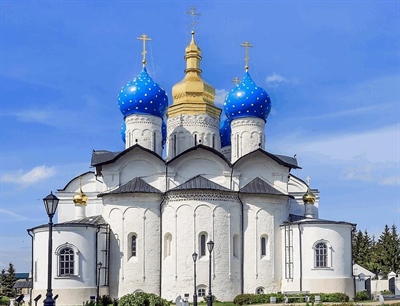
<point>192,95</point>
<point>308,197</point>
<point>80,198</point>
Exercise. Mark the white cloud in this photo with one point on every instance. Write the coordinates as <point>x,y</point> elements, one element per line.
<point>33,176</point>
<point>390,181</point>
<point>276,78</point>
<point>13,215</point>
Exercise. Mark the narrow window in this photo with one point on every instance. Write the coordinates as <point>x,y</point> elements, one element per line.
<point>237,146</point>
<point>66,262</point>
<point>263,246</point>
<point>174,146</point>
<point>133,245</point>
<point>321,255</point>
<point>195,139</point>
<point>167,245</point>
<point>202,245</point>
<point>154,141</point>
<point>235,246</point>
<point>213,141</point>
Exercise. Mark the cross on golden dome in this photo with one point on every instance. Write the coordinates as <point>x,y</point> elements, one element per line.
<point>247,45</point>
<point>193,13</point>
<point>144,38</point>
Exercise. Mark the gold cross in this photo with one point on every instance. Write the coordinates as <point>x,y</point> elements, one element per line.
<point>144,38</point>
<point>247,45</point>
<point>308,180</point>
<point>236,80</point>
<point>192,12</point>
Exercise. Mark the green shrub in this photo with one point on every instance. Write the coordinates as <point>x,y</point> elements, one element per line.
<point>4,300</point>
<point>248,299</point>
<point>214,299</point>
<point>142,299</point>
<point>386,292</point>
<point>361,296</point>
<point>105,300</point>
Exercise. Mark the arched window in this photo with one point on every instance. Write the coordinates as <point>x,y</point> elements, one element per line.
<point>264,246</point>
<point>174,146</point>
<point>203,238</point>
<point>321,255</point>
<point>195,139</point>
<point>66,262</point>
<point>133,245</point>
<point>260,290</point>
<point>167,245</point>
<point>201,291</point>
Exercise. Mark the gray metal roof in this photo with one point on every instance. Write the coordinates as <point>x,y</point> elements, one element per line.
<point>258,186</point>
<point>199,182</point>
<point>102,156</point>
<point>135,185</point>
<point>317,221</point>
<point>23,284</point>
<point>92,220</point>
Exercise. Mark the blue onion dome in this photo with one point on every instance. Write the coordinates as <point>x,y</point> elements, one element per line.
<point>143,96</point>
<point>247,99</point>
<point>225,133</point>
<point>164,132</point>
<point>123,131</point>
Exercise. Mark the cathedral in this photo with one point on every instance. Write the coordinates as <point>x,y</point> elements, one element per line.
<point>191,173</point>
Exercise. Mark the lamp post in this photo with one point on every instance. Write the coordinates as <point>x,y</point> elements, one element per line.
<point>50,203</point>
<point>210,246</point>
<point>194,256</point>
<point>99,265</point>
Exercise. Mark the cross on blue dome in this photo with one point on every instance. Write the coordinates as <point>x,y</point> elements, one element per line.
<point>143,96</point>
<point>247,99</point>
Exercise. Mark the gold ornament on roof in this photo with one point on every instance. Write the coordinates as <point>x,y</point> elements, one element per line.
<point>80,198</point>
<point>247,45</point>
<point>144,38</point>
<point>309,197</point>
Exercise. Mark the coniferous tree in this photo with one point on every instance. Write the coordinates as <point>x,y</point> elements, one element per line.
<point>363,250</point>
<point>2,279</point>
<point>8,281</point>
<point>387,250</point>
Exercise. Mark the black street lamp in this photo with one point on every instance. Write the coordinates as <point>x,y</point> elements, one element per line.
<point>99,265</point>
<point>210,246</point>
<point>194,256</point>
<point>50,203</point>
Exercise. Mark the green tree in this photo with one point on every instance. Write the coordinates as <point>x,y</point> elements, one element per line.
<point>387,250</point>
<point>8,280</point>
<point>2,279</point>
<point>364,250</point>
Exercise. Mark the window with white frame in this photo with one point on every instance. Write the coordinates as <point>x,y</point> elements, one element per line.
<point>67,260</point>
<point>321,255</point>
<point>201,291</point>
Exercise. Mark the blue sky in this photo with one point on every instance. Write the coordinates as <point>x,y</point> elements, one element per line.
<point>330,67</point>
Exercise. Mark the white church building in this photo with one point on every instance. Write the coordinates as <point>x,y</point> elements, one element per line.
<point>189,175</point>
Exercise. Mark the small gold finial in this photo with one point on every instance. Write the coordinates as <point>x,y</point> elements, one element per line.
<point>236,80</point>
<point>247,45</point>
<point>144,38</point>
<point>193,13</point>
<point>80,198</point>
<point>309,197</point>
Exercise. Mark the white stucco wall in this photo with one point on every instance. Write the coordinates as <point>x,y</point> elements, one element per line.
<point>247,135</point>
<point>144,130</point>
<point>138,215</point>
<point>183,128</point>
<point>337,276</point>
<point>186,216</point>
<point>77,288</point>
